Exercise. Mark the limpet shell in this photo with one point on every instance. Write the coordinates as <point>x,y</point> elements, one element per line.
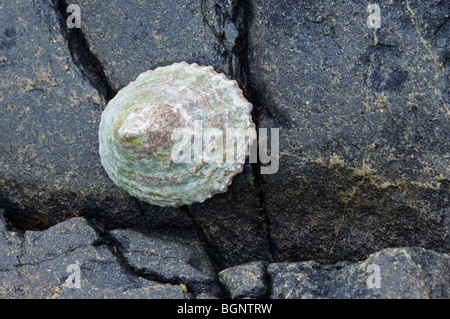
<point>137,142</point>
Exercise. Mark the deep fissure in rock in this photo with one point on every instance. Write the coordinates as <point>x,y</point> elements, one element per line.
<point>115,249</point>
<point>257,112</point>
<point>81,54</point>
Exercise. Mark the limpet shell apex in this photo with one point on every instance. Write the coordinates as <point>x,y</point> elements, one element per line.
<point>137,140</point>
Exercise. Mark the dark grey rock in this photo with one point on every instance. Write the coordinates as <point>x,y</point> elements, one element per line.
<point>168,259</point>
<point>9,284</point>
<point>245,281</point>
<point>101,277</point>
<point>234,223</point>
<point>132,37</point>
<point>9,246</point>
<point>39,246</point>
<point>363,115</point>
<point>404,273</point>
<point>9,254</point>
<point>301,280</point>
<point>50,168</point>
<point>38,266</point>
<point>363,118</point>
<point>49,114</point>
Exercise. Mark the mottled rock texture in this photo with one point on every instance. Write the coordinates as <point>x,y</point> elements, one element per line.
<point>409,273</point>
<point>35,265</point>
<point>159,33</point>
<point>364,125</point>
<point>128,264</point>
<point>245,281</point>
<point>49,160</point>
<point>363,117</point>
<point>56,81</point>
<point>168,259</point>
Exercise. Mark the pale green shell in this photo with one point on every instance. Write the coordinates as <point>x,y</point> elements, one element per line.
<point>135,130</point>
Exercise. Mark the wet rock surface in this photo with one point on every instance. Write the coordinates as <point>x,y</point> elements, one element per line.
<point>56,81</point>
<point>414,273</point>
<point>363,118</point>
<point>364,162</point>
<point>37,266</point>
<point>168,259</point>
<point>245,281</point>
<point>49,161</point>
<point>159,33</point>
<point>234,224</point>
<point>128,264</point>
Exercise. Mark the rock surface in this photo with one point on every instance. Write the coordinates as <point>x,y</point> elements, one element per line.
<point>49,161</point>
<point>53,171</point>
<point>206,32</point>
<point>296,280</point>
<point>36,266</point>
<point>414,273</point>
<point>168,259</point>
<point>234,224</point>
<point>128,264</point>
<point>245,281</point>
<point>363,117</point>
<point>159,33</point>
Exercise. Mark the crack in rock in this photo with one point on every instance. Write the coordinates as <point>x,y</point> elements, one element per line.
<point>36,275</point>
<point>81,54</point>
